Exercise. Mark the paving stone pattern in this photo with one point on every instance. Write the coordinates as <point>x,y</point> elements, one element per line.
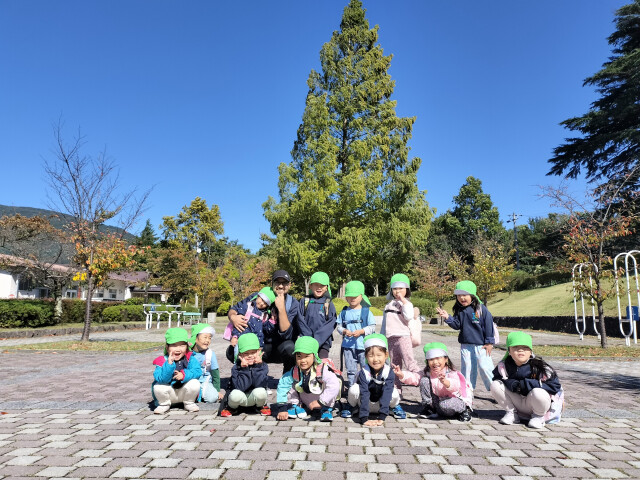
<point>87,415</point>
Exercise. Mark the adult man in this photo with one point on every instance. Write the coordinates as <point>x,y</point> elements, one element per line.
<point>279,346</point>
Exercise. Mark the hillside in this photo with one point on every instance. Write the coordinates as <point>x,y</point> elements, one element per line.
<point>548,301</point>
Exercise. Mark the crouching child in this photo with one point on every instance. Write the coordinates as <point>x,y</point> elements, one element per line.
<point>201,339</point>
<point>313,383</point>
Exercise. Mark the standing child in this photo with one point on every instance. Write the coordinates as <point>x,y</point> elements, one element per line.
<point>249,377</point>
<point>312,383</point>
<point>526,386</point>
<point>318,316</point>
<point>443,389</point>
<point>476,336</point>
<point>375,391</point>
<point>356,321</point>
<point>201,336</point>
<point>395,326</point>
<point>175,378</point>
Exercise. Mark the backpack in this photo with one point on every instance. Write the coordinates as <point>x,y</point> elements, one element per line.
<point>554,413</point>
<point>364,315</point>
<point>295,373</point>
<point>383,376</point>
<point>307,301</point>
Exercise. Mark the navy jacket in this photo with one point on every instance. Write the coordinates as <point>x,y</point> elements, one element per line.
<point>248,378</point>
<point>375,392</point>
<point>272,333</point>
<point>315,323</point>
<point>520,378</point>
<point>473,330</point>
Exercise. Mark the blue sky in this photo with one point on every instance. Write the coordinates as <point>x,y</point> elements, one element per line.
<point>203,98</point>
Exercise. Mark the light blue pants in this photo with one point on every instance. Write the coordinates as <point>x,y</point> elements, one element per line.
<point>352,358</point>
<point>472,359</point>
<point>208,392</point>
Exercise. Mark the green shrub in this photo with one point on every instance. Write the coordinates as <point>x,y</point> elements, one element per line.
<point>21,314</point>
<point>134,301</point>
<point>223,308</point>
<point>73,311</point>
<point>123,313</point>
<point>525,281</point>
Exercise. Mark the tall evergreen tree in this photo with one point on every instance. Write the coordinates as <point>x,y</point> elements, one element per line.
<point>350,191</point>
<point>147,236</point>
<point>609,148</point>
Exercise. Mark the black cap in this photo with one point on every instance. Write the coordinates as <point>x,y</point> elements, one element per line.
<point>281,274</point>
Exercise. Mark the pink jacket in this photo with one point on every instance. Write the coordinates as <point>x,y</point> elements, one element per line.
<point>457,388</point>
<point>395,322</point>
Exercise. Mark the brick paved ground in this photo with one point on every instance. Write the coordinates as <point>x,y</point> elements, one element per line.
<point>86,415</point>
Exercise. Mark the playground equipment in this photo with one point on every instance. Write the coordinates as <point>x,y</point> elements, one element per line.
<point>149,310</point>
<point>631,310</point>
<point>581,324</point>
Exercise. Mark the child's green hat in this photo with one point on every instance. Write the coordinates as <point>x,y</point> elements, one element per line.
<point>267,294</point>
<point>175,335</point>
<point>248,341</point>
<point>515,339</point>
<point>466,287</point>
<point>321,278</point>
<point>307,345</point>
<point>399,280</point>
<point>355,288</point>
<point>435,350</point>
<point>376,340</point>
<point>198,329</point>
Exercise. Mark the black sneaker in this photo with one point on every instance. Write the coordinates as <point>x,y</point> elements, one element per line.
<point>428,412</point>
<point>465,416</point>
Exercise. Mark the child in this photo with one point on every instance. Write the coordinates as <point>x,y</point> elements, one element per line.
<point>248,378</point>
<point>258,316</point>
<point>201,335</point>
<point>476,336</point>
<point>395,326</point>
<point>318,316</point>
<point>374,391</point>
<point>526,386</point>
<point>175,378</point>
<point>444,390</point>
<point>311,383</point>
<point>355,323</point>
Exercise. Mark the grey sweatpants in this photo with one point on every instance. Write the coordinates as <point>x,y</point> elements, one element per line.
<point>445,407</point>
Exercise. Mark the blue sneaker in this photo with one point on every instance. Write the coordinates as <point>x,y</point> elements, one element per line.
<point>399,413</point>
<point>297,412</point>
<point>326,415</point>
<point>346,411</point>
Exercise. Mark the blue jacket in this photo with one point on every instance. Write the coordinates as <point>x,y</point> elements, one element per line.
<point>314,322</point>
<point>271,332</point>
<point>377,389</point>
<point>163,374</point>
<point>473,330</point>
<point>248,378</point>
<point>356,319</point>
<point>520,378</point>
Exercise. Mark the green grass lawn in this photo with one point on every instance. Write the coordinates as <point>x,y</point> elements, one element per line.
<point>90,346</point>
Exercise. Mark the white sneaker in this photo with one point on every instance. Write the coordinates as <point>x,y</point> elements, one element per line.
<point>537,421</point>
<point>191,407</point>
<point>161,409</point>
<point>510,418</point>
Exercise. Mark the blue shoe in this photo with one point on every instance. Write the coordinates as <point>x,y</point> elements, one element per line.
<point>399,413</point>
<point>326,415</point>
<point>297,412</point>
<point>346,411</point>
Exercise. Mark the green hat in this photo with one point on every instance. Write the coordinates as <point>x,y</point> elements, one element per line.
<point>306,345</point>
<point>248,341</point>
<point>266,294</point>
<point>518,338</point>
<point>376,339</point>
<point>321,278</point>
<point>435,350</point>
<point>198,329</point>
<point>355,288</point>
<point>175,335</point>
<point>466,287</point>
<point>399,280</point>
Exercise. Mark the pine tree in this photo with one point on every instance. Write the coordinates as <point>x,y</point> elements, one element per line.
<point>609,148</point>
<point>349,203</point>
<point>147,236</point>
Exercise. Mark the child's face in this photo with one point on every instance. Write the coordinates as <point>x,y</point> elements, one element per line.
<point>520,354</point>
<point>464,300</point>
<point>203,340</point>
<point>177,350</point>
<point>250,356</point>
<point>305,360</point>
<point>354,301</point>
<point>260,303</point>
<point>399,292</point>
<point>436,364</point>
<point>318,289</point>
<point>376,357</point>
